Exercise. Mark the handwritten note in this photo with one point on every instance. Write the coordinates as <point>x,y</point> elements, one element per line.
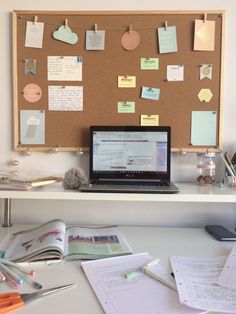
<point>64,68</point>
<point>34,34</point>
<point>175,72</point>
<point>126,106</point>
<point>149,63</point>
<point>227,276</point>
<point>65,98</point>
<point>150,93</point>
<point>149,120</point>
<point>167,39</point>
<point>95,40</point>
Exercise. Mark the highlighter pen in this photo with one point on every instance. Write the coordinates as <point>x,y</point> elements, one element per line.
<point>133,273</point>
<point>28,279</point>
<point>19,267</point>
<point>11,273</point>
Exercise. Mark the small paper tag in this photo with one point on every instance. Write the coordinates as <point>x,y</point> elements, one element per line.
<point>30,66</point>
<point>34,34</point>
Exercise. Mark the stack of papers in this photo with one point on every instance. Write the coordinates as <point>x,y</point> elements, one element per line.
<point>25,181</point>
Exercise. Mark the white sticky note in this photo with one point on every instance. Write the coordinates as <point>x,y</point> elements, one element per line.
<point>175,72</point>
<point>34,34</point>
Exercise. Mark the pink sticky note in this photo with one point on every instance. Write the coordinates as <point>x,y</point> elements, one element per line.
<point>204,35</point>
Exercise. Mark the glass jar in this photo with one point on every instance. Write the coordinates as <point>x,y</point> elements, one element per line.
<point>206,166</point>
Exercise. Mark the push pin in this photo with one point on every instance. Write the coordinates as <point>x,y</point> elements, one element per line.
<point>55,149</point>
<point>28,152</point>
<point>81,151</point>
<point>15,162</point>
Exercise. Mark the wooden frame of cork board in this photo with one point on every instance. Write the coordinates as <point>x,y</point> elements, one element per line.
<point>67,130</point>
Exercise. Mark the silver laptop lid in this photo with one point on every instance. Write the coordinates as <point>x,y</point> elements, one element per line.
<point>130,152</point>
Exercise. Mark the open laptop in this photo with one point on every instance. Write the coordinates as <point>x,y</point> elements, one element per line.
<point>131,159</point>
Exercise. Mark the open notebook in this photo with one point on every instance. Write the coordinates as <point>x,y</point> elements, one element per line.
<point>132,159</point>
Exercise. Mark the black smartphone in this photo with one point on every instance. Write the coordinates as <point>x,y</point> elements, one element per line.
<point>220,233</point>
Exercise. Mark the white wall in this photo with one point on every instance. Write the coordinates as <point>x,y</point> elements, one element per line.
<point>183,167</point>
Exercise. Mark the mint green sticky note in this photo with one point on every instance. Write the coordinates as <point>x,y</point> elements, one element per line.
<point>167,39</point>
<point>126,107</point>
<point>65,34</point>
<point>203,128</point>
<point>149,63</point>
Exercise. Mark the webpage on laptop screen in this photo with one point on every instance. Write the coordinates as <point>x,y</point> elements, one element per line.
<point>130,151</point>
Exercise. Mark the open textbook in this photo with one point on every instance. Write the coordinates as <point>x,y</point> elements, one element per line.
<point>54,240</point>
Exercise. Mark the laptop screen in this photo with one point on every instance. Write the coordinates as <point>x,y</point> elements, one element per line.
<point>130,152</point>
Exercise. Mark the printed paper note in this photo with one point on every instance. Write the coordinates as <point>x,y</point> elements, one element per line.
<point>149,120</point>
<point>196,283</point>
<point>34,34</point>
<point>95,40</point>
<point>205,95</point>
<point>62,68</point>
<point>227,277</point>
<point>149,63</point>
<point>175,72</point>
<point>126,107</point>
<point>126,81</point>
<point>150,93</point>
<point>167,39</point>
<point>203,128</point>
<point>32,126</point>
<point>204,35</point>
<point>65,98</point>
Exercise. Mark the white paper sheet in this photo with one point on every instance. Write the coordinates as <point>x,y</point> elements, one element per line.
<point>138,295</point>
<point>227,277</point>
<point>196,283</point>
<point>64,68</point>
<point>65,98</point>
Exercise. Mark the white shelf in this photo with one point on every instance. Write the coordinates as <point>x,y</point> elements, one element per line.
<point>189,192</point>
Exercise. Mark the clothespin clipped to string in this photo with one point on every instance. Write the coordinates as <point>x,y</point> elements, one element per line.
<point>205,17</point>
<point>166,25</point>
<point>130,28</point>
<point>35,19</point>
<point>95,28</point>
<point>66,23</point>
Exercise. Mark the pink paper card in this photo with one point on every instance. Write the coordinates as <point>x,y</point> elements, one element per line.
<point>204,35</point>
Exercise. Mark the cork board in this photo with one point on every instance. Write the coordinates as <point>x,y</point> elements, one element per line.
<point>68,130</point>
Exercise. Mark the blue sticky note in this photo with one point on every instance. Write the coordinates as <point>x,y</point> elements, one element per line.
<point>203,128</point>
<point>167,39</point>
<point>150,93</point>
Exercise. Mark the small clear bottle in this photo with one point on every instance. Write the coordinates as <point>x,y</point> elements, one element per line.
<point>206,168</point>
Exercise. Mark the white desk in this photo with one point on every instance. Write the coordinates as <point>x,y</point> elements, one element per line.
<point>159,242</point>
<point>189,192</point>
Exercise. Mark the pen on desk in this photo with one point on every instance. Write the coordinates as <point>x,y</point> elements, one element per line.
<point>11,282</point>
<point>28,279</point>
<point>2,277</point>
<point>19,267</point>
<point>11,273</point>
<point>134,272</point>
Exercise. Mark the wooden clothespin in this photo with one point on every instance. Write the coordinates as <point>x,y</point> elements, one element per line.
<point>205,17</point>
<point>95,27</point>
<point>166,25</point>
<point>66,23</point>
<point>130,28</point>
<point>35,19</point>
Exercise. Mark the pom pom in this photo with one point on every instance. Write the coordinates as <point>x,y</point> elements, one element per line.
<point>74,179</point>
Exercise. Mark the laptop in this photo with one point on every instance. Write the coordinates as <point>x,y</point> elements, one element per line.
<point>130,159</point>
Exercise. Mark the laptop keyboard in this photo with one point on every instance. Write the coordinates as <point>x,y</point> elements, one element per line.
<point>131,183</point>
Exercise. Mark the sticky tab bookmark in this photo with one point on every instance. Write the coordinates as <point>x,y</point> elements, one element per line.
<point>30,66</point>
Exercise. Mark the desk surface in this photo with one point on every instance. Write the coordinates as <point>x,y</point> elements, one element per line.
<point>189,192</point>
<point>159,242</point>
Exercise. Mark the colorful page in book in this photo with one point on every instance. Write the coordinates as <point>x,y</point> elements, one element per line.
<point>91,243</point>
<point>44,242</point>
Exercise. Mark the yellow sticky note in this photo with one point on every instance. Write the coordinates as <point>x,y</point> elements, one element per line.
<point>149,120</point>
<point>126,81</point>
<point>205,94</point>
